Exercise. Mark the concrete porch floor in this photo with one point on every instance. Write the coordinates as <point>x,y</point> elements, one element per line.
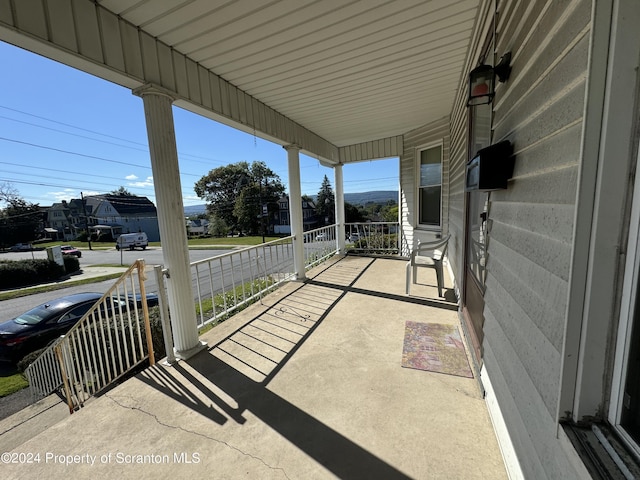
<point>306,384</point>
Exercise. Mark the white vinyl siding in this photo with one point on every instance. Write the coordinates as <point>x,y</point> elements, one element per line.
<point>530,234</point>
<point>435,133</point>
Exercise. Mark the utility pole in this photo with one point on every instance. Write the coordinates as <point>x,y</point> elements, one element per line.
<point>86,221</point>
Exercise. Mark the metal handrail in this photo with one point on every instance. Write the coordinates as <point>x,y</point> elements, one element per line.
<point>110,340</point>
<point>228,282</point>
<point>319,245</point>
<point>372,238</point>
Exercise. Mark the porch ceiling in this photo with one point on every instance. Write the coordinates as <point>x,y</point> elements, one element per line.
<point>350,71</point>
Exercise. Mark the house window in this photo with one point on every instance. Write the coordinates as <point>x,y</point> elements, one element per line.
<point>430,186</point>
<point>624,413</point>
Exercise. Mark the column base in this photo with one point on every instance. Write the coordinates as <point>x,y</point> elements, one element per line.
<point>186,354</point>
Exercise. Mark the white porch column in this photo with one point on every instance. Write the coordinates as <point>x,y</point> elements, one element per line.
<point>173,234</point>
<point>339,181</point>
<point>295,209</point>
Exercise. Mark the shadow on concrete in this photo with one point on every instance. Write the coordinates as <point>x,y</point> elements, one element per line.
<point>444,303</point>
<point>162,381</point>
<point>342,457</point>
<point>325,445</point>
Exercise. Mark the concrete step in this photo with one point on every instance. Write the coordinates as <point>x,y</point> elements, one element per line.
<point>31,421</point>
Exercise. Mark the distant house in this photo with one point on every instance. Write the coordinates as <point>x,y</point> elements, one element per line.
<point>197,227</point>
<point>58,225</point>
<point>65,220</point>
<point>117,214</point>
<point>309,218</point>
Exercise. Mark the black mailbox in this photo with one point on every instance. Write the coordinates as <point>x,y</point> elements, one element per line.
<point>490,168</point>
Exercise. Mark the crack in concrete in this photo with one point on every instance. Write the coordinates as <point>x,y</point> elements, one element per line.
<point>176,427</point>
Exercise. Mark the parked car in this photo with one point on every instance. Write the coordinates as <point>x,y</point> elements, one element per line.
<point>354,237</point>
<point>152,299</point>
<point>69,250</point>
<point>21,247</point>
<point>37,327</point>
<point>320,237</point>
<point>132,240</point>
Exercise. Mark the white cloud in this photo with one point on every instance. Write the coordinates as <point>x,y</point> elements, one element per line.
<point>66,194</point>
<point>189,200</point>
<point>148,182</point>
<point>69,194</point>
<point>91,192</point>
<point>131,177</point>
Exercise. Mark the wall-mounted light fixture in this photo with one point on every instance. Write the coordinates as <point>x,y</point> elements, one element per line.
<point>482,80</point>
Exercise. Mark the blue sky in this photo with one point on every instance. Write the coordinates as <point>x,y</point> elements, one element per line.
<point>63,132</point>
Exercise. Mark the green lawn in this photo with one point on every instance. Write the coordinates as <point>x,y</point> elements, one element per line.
<point>193,242</point>
<point>235,241</point>
<point>22,292</point>
<point>12,384</point>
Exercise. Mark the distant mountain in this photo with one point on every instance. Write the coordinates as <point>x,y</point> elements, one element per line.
<point>379,196</point>
<point>361,198</point>
<point>194,210</point>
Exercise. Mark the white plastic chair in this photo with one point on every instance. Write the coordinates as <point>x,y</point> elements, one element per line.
<point>427,254</point>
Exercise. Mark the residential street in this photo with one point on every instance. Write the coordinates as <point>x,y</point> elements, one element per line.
<point>101,256</point>
<point>151,256</point>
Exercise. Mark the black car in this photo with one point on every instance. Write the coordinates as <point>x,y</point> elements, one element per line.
<point>152,299</point>
<point>36,328</point>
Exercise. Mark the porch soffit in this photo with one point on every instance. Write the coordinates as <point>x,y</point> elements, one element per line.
<point>323,74</point>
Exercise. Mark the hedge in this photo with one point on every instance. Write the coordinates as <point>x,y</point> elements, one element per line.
<point>21,273</point>
<point>71,264</point>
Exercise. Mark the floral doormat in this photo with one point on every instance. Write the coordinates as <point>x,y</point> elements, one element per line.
<point>435,347</point>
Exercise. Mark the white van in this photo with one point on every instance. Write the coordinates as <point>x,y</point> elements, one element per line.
<point>132,240</point>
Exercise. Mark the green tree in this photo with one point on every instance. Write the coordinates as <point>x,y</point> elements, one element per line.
<point>390,214</point>
<point>218,227</point>
<point>20,221</point>
<point>352,214</point>
<point>236,194</point>
<point>220,188</point>
<point>247,211</point>
<point>7,192</point>
<point>326,203</point>
<point>122,192</point>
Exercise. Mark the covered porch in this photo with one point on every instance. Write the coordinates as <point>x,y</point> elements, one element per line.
<point>306,383</point>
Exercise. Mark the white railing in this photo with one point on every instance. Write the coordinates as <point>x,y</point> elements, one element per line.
<point>373,238</point>
<point>319,244</point>
<point>43,374</point>
<point>110,340</point>
<point>229,282</point>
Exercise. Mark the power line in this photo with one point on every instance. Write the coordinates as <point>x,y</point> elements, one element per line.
<point>109,185</point>
<point>145,149</point>
<point>55,170</point>
<point>71,187</point>
<point>71,126</point>
<point>84,155</point>
<point>75,134</point>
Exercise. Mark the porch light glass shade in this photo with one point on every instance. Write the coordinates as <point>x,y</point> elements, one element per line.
<point>481,85</point>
